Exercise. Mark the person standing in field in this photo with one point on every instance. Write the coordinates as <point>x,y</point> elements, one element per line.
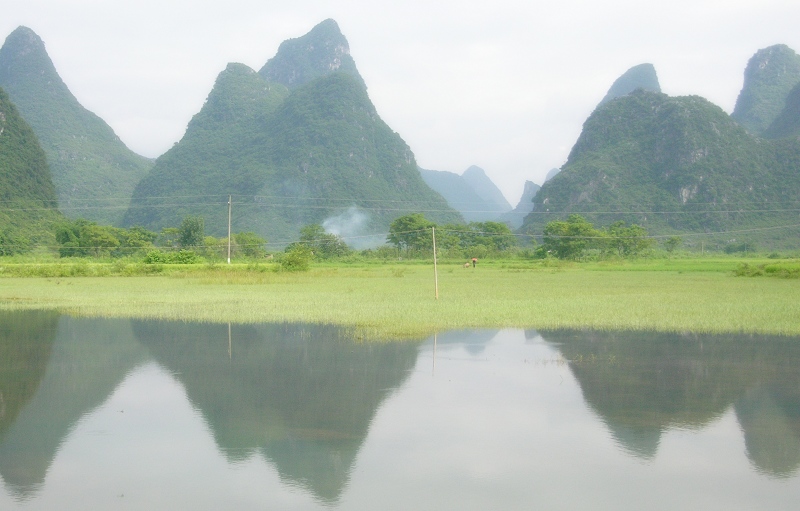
<point>474,261</point>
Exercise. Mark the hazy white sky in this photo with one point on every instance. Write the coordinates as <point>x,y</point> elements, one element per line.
<point>505,85</point>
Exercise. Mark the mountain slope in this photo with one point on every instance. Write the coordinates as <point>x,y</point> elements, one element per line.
<point>787,124</point>
<point>462,195</point>
<point>88,161</point>
<point>472,193</point>
<point>289,156</point>
<point>476,177</point>
<point>28,202</point>
<point>321,51</point>
<point>769,77</point>
<point>642,76</point>
<point>516,217</point>
<point>673,164</point>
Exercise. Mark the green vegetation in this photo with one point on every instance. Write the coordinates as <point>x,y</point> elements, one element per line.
<point>787,124</point>
<point>27,194</point>
<point>412,236</point>
<point>676,166</point>
<point>642,76</point>
<point>304,59</point>
<point>290,157</point>
<point>94,173</point>
<point>770,74</point>
<point>397,299</point>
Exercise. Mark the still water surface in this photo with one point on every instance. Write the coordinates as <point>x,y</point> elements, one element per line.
<point>121,414</point>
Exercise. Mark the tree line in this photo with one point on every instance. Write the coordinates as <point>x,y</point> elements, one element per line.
<point>409,236</point>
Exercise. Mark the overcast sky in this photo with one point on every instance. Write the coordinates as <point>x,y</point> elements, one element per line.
<point>505,85</point>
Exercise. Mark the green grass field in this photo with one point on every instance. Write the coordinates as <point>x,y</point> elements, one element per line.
<point>391,300</point>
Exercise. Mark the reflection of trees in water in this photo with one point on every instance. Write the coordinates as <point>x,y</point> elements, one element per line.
<point>64,369</point>
<point>642,384</point>
<point>303,396</point>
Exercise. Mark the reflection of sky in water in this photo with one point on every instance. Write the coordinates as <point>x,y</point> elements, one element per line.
<point>498,422</point>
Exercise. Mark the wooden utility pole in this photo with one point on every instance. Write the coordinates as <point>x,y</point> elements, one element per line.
<point>435,269</point>
<point>229,229</point>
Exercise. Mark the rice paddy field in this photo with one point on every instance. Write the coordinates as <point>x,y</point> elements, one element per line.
<point>380,300</point>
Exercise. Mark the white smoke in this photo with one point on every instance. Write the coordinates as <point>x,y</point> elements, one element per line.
<point>351,225</point>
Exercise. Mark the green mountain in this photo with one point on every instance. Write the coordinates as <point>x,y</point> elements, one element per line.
<point>94,173</point>
<point>769,77</point>
<point>322,51</point>
<point>516,217</point>
<point>27,195</point>
<point>642,76</point>
<point>476,177</point>
<point>472,194</point>
<point>675,164</point>
<point>288,156</point>
<point>787,124</point>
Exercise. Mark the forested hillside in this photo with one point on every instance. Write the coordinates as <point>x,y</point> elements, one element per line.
<point>94,173</point>
<point>28,202</point>
<point>675,164</point>
<point>290,156</point>
<point>769,77</point>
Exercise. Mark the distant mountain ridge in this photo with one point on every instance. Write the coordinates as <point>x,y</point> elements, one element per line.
<point>516,217</point>
<point>473,193</point>
<point>290,156</point>
<point>94,173</point>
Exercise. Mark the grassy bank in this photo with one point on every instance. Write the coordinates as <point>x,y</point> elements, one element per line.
<point>397,299</point>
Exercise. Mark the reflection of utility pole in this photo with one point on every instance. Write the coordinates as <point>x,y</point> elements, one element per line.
<point>229,231</point>
<point>434,355</point>
<point>230,351</point>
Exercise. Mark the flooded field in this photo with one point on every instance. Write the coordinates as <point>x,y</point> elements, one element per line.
<point>124,414</point>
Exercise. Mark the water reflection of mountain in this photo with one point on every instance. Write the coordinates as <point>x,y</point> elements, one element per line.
<point>87,360</point>
<point>300,395</point>
<point>473,341</point>
<point>26,339</point>
<point>642,384</point>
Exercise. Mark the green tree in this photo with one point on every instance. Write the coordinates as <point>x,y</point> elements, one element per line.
<point>99,240</point>
<point>250,244</point>
<point>494,235</point>
<point>627,241</point>
<point>323,245</point>
<point>671,243</point>
<point>80,238</point>
<point>296,258</point>
<point>168,237</point>
<point>411,232</point>
<point>12,243</point>
<point>567,239</point>
<point>191,233</point>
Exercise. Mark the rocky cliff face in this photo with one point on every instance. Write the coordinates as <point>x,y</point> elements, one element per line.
<point>321,51</point>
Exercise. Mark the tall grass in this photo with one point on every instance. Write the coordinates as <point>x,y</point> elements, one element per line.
<point>397,299</point>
